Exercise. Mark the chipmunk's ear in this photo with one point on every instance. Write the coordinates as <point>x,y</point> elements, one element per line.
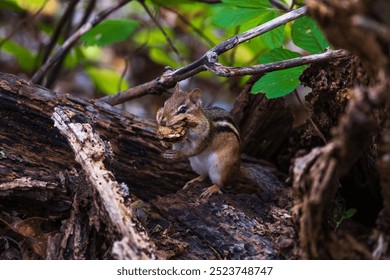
<point>195,97</point>
<point>177,88</point>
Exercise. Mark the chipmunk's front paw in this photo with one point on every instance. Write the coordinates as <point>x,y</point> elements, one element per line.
<point>170,154</point>
<point>193,181</point>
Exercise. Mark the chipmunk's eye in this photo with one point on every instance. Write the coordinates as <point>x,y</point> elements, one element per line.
<point>182,109</point>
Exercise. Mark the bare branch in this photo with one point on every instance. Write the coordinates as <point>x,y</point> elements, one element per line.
<point>74,38</point>
<point>170,78</point>
<point>227,71</point>
<point>320,134</point>
<point>87,12</point>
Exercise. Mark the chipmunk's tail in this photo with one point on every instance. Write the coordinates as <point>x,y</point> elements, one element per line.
<point>261,177</point>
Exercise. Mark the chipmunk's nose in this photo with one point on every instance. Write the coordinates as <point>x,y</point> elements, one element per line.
<point>163,122</point>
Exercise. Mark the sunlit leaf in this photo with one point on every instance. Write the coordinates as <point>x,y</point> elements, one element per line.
<point>109,31</point>
<point>106,80</point>
<point>307,35</point>
<point>49,6</point>
<point>93,53</point>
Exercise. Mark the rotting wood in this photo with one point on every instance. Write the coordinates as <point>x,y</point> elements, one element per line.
<point>316,174</point>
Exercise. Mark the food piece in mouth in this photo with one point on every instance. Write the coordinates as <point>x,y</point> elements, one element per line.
<point>171,133</point>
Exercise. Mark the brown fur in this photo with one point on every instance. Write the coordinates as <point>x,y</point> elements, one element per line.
<point>212,142</point>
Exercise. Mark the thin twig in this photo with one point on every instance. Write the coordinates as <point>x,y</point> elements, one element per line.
<point>21,23</point>
<point>57,32</point>
<point>55,71</point>
<point>293,2</point>
<point>193,27</point>
<point>320,134</point>
<point>123,74</point>
<point>170,77</point>
<point>74,38</point>
<point>87,13</point>
<point>280,5</point>
<point>159,26</point>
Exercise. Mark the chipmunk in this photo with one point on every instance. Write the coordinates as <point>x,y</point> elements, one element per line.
<point>207,136</point>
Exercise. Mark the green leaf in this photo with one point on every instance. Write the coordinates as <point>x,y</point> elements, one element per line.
<point>106,80</point>
<point>262,4</point>
<point>31,5</point>
<point>109,31</point>
<point>162,57</point>
<point>307,35</point>
<point>71,59</point>
<point>228,17</point>
<point>278,54</point>
<point>274,38</point>
<point>233,13</point>
<point>278,83</point>
<point>249,14</point>
<point>170,2</point>
<point>282,82</point>
<point>10,5</point>
<point>24,56</point>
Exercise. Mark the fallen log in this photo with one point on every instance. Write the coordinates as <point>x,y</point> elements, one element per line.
<point>84,180</point>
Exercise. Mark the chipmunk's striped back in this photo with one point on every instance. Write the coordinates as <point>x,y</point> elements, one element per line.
<point>222,121</point>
